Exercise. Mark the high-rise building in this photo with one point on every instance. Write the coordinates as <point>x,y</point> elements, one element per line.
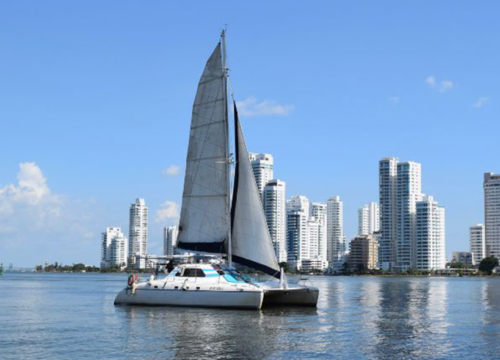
<point>462,257</point>
<point>275,210</point>
<point>477,243</point>
<point>313,229</point>
<point>138,233</point>
<point>113,248</point>
<point>430,235</point>
<point>298,231</point>
<point>368,219</point>
<point>318,212</point>
<point>306,234</point>
<point>409,192</point>
<point>364,253</point>
<point>262,165</point>
<point>299,202</point>
<point>336,248</point>
<point>491,188</point>
<point>170,239</point>
<point>388,212</point>
<point>400,190</point>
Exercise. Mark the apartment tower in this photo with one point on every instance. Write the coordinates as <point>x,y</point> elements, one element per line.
<point>138,233</point>
<point>477,243</point>
<point>262,166</point>
<point>275,211</point>
<point>491,188</point>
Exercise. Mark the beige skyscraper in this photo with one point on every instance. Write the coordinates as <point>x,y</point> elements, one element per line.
<point>364,253</point>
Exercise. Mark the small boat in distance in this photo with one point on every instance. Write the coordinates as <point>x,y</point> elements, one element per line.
<point>1,269</point>
<point>217,226</point>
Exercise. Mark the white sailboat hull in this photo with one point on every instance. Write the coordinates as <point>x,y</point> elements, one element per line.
<point>192,298</point>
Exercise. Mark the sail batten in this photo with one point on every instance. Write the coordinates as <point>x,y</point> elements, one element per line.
<point>203,224</point>
<point>251,243</point>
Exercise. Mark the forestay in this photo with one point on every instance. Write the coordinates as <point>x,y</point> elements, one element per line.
<point>203,223</point>
<point>251,242</point>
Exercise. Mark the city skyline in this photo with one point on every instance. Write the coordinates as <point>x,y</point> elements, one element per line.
<point>75,99</point>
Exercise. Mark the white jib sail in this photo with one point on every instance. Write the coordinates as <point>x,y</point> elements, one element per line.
<point>203,223</point>
<point>251,243</point>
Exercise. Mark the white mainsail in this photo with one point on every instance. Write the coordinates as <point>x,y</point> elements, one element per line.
<point>251,243</point>
<point>204,216</point>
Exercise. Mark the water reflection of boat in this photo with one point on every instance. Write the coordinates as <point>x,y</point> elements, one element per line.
<point>213,222</point>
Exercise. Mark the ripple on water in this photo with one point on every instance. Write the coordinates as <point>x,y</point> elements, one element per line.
<point>73,316</point>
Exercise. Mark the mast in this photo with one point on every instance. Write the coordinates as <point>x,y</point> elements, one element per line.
<point>228,160</point>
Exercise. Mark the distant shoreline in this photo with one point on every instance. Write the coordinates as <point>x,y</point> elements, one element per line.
<point>305,276</point>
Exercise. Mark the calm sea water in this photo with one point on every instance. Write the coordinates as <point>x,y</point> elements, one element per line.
<point>72,316</point>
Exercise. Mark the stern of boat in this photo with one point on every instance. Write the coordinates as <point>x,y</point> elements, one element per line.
<point>306,296</point>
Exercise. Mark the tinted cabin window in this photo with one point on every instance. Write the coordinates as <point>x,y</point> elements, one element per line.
<point>218,269</point>
<point>194,273</point>
<point>200,273</point>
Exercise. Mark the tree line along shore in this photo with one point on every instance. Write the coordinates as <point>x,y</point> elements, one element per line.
<point>489,266</point>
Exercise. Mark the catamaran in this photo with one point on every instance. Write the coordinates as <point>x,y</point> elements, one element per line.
<point>215,228</point>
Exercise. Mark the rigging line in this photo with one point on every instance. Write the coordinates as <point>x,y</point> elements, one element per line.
<point>231,87</point>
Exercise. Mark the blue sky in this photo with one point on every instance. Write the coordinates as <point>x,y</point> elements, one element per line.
<point>95,104</point>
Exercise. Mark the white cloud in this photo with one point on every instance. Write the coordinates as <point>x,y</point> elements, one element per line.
<point>172,170</point>
<point>394,99</point>
<point>37,224</point>
<point>446,85</point>
<point>30,195</point>
<point>481,102</point>
<point>168,210</point>
<point>251,107</point>
<point>441,86</point>
<point>431,81</point>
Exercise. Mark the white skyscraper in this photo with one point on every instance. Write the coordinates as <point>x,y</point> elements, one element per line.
<point>409,192</point>
<point>477,243</point>
<point>313,228</point>
<point>275,210</point>
<point>306,234</point>
<point>491,188</point>
<point>400,190</point>
<point>170,239</point>
<point>368,219</point>
<point>430,235</point>
<point>113,248</point>
<point>262,165</point>
<point>298,202</point>
<point>138,233</point>
<point>298,231</point>
<point>336,246</point>
<point>318,212</point>
<point>388,212</point>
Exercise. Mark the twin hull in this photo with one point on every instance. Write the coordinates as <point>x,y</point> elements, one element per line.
<point>248,299</point>
<point>192,298</point>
